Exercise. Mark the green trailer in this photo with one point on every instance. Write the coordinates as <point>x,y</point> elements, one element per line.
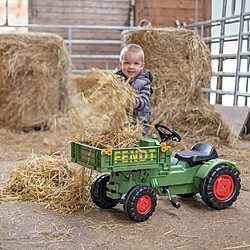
<point>134,176</point>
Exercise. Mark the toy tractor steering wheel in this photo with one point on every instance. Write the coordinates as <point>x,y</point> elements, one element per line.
<point>167,134</point>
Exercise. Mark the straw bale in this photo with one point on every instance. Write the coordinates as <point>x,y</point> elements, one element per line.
<point>49,179</point>
<point>180,63</point>
<point>34,79</point>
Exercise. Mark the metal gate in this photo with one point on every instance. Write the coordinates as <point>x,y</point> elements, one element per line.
<point>230,69</point>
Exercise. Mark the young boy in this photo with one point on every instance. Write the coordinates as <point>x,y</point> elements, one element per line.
<point>132,63</point>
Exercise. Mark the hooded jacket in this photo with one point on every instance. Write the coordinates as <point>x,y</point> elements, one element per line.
<point>141,85</point>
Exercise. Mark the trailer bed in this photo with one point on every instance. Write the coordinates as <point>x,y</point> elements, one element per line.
<point>120,159</point>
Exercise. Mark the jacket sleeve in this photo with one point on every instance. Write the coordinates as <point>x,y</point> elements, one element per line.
<point>144,93</point>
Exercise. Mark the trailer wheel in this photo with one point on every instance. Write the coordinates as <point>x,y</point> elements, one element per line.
<point>221,187</point>
<point>98,193</point>
<point>140,203</point>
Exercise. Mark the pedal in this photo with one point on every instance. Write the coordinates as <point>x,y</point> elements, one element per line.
<point>174,203</point>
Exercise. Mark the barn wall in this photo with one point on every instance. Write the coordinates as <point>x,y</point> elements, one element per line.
<point>163,13</point>
<point>84,12</point>
<point>81,12</point>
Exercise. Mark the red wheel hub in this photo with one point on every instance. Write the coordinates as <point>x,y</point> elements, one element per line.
<point>143,204</point>
<point>223,187</point>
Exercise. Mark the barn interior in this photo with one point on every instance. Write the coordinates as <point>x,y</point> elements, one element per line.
<point>57,81</point>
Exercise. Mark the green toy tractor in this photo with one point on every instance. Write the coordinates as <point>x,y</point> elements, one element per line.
<point>134,176</point>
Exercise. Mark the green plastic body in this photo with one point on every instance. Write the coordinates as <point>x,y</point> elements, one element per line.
<point>146,165</point>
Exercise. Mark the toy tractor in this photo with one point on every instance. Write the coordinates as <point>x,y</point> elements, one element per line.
<point>136,175</point>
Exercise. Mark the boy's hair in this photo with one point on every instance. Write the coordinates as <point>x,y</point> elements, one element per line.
<point>134,48</point>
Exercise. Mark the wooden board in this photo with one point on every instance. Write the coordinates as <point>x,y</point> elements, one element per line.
<point>81,12</point>
<point>84,12</point>
<point>163,13</point>
<point>236,117</point>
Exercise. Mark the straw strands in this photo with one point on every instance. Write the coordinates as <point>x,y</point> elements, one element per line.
<point>105,115</point>
<point>50,180</point>
<point>34,79</point>
<point>180,63</point>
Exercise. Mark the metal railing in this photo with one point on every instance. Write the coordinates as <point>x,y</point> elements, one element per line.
<point>242,35</point>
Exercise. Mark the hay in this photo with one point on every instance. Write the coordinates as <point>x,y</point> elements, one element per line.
<point>49,180</point>
<point>34,79</point>
<point>105,114</point>
<point>180,63</point>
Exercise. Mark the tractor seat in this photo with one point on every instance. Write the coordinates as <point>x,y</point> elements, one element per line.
<point>199,152</point>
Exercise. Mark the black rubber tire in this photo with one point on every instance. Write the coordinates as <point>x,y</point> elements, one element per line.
<point>221,187</point>
<point>138,199</point>
<point>98,193</point>
<point>189,195</point>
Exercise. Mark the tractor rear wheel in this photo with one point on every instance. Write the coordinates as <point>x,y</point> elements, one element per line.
<point>140,203</point>
<point>221,187</point>
<point>98,193</point>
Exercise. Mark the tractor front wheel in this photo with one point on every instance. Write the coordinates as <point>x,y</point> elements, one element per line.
<point>98,193</point>
<point>140,203</point>
<point>221,187</point>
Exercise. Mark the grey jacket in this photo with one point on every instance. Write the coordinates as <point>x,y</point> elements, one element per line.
<point>141,85</point>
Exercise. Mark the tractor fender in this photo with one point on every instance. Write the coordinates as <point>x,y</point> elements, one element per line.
<point>208,166</point>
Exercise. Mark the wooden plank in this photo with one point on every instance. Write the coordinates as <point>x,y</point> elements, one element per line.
<point>97,34</point>
<point>101,51</point>
<point>188,4</point>
<point>87,64</point>
<point>83,4</point>
<point>118,21</point>
<point>83,16</point>
<point>236,117</point>
<point>96,49</point>
<point>164,12</point>
<point>83,10</point>
<point>157,16</point>
<point>79,3</point>
<point>81,34</point>
<point>207,9</point>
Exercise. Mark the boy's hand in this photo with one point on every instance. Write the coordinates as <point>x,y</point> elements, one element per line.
<point>132,100</point>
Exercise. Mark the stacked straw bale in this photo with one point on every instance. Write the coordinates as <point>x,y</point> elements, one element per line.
<point>34,79</point>
<point>180,63</point>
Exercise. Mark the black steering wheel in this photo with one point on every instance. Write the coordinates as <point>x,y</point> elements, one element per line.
<point>167,133</point>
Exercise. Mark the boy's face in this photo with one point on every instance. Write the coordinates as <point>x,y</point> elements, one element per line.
<point>132,64</point>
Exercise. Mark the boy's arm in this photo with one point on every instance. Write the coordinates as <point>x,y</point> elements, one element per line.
<point>144,96</point>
